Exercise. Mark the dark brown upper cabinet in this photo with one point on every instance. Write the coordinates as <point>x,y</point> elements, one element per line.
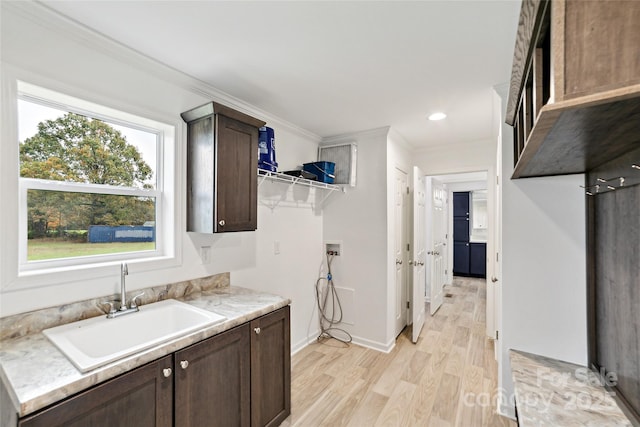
<point>222,159</point>
<point>574,97</point>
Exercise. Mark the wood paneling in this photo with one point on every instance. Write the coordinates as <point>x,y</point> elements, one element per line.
<point>141,398</point>
<point>602,45</point>
<point>614,272</point>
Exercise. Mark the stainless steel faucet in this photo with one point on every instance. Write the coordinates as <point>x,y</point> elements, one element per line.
<point>125,308</point>
<point>124,271</point>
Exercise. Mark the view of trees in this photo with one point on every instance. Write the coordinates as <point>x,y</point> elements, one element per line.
<point>74,148</point>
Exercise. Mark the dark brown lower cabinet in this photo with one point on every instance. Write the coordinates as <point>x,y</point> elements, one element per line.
<point>270,369</point>
<point>239,378</point>
<point>212,383</point>
<point>141,398</point>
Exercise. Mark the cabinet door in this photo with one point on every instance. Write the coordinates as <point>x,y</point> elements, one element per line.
<point>461,229</point>
<point>478,259</point>
<point>461,258</point>
<point>212,381</point>
<point>236,183</point>
<point>141,398</point>
<point>270,369</point>
<point>461,204</point>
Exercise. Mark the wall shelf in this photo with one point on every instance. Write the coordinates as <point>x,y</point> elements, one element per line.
<point>264,175</point>
<point>293,180</point>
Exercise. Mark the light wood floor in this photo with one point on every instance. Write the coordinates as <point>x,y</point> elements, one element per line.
<point>423,384</point>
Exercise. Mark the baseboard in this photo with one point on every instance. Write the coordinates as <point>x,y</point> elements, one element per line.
<point>362,342</point>
<point>506,409</point>
<point>374,345</point>
<point>295,348</point>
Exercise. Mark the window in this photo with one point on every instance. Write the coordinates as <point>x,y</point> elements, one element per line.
<point>91,182</point>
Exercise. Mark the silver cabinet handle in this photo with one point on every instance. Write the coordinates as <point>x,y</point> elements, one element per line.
<point>166,372</point>
<point>221,223</point>
<point>411,262</point>
<point>421,262</point>
<point>398,261</point>
<point>257,331</point>
<point>184,364</point>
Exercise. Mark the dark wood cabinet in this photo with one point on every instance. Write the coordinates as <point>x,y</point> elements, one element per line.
<point>461,204</point>
<point>574,97</point>
<point>213,382</point>
<point>478,259</point>
<point>469,258</point>
<point>141,398</point>
<point>270,369</point>
<point>461,258</point>
<point>461,229</point>
<point>222,159</point>
<point>239,378</point>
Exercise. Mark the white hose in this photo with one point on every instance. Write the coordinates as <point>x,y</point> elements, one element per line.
<point>327,328</point>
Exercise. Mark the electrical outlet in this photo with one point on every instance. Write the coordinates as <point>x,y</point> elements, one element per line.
<point>205,254</point>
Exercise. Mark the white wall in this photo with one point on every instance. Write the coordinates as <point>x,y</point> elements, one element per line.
<point>543,268</point>
<point>456,158</point>
<point>358,219</point>
<point>41,48</point>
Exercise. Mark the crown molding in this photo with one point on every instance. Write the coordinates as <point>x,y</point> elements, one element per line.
<point>50,19</point>
<point>381,131</point>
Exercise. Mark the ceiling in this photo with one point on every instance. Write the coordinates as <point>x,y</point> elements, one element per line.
<point>331,67</point>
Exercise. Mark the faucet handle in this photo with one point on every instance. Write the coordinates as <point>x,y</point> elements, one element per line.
<point>132,303</point>
<point>112,308</point>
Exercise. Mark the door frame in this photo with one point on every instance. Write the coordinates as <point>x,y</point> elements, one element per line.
<point>451,179</point>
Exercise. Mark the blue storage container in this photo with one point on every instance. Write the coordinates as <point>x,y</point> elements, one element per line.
<point>267,149</point>
<point>323,170</point>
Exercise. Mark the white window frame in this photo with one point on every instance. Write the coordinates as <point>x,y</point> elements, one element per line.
<point>34,273</point>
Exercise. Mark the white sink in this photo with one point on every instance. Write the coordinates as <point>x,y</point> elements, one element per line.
<point>97,341</point>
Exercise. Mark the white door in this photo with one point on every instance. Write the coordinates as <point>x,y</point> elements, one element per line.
<point>418,253</point>
<point>437,244</point>
<point>401,186</point>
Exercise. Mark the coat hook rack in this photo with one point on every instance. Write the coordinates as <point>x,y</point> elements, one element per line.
<point>608,184</point>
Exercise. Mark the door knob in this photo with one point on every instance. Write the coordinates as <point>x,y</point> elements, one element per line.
<point>166,372</point>
<point>221,223</point>
<point>184,364</point>
<point>257,331</point>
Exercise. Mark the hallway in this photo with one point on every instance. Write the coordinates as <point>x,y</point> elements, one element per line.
<point>449,378</point>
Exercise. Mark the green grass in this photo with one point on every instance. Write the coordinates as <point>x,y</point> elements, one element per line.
<point>43,249</point>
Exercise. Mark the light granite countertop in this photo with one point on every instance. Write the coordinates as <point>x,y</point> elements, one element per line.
<point>550,392</point>
<point>36,374</point>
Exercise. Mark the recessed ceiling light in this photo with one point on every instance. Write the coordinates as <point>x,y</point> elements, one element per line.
<point>437,116</point>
